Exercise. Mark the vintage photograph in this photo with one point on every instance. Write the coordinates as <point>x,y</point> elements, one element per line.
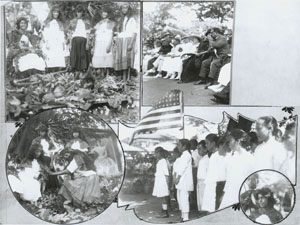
<point>188,46</point>
<point>76,54</point>
<point>202,172</point>
<point>65,166</point>
<point>267,197</point>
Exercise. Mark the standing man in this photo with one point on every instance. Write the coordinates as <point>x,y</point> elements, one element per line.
<point>211,67</point>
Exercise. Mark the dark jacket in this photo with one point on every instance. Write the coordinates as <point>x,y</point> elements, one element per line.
<point>221,45</point>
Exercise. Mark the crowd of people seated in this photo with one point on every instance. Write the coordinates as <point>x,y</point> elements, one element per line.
<point>202,60</point>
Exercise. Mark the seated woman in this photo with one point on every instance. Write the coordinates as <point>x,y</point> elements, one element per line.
<point>29,183</point>
<point>173,62</point>
<point>105,165</point>
<point>192,58</point>
<point>266,213</point>
<point>151,56</point>
<point>77,143</point>
<point>162,53</point>
<point>84,185</point>
<point>24,56</point>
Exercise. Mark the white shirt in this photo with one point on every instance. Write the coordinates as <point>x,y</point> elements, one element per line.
<point>184,170</point>
<point>202,167</point>
<point>216,168</point>
<point>80,30</point>
<point>270,155</point>
<point>196,158</point>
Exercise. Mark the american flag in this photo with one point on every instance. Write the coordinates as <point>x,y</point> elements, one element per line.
<point>167,113</point>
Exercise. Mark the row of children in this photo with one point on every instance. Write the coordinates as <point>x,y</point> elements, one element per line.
<point>113,43</point>
<point>222,164</point>
<point>192,58</point>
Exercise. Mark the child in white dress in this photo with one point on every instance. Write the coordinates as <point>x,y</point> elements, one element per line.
<point>161,183</point>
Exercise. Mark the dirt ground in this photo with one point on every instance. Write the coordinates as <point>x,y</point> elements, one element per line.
<point>155,88</point>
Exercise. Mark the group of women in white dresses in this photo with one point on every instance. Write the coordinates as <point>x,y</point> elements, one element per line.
<point>59,39</point>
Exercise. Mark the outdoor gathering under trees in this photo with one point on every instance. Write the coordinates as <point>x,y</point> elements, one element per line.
<point>189,42</point>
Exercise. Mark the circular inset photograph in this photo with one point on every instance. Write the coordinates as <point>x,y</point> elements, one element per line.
<point>267,197</point>
<point>65,165</point>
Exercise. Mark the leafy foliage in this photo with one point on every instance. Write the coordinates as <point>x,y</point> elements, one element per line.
<point>106,96</point>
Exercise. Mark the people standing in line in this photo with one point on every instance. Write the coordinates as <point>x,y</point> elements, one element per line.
<point>239,165</point>
<point>215,178</point>
<point>201,172</point>
<point>161,188</point>
<point>184,178</point>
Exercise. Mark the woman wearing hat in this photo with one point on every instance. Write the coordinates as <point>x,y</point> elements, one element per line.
<point>125,42</point>
<point>172,63</point>
<point>23,50</point>
<point>266,213</point>
<point>102,53</point>
<point>54,45</point>
<point>79,35</point>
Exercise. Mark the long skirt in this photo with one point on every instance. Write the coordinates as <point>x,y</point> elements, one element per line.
<point>123,58</point>
<point>79,58</point>
<point>190,69</point>
<point>82,190</point>
<point>171,65</point>
<point>102,59</point>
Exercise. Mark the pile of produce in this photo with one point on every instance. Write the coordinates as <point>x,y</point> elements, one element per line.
<point>108,96</point>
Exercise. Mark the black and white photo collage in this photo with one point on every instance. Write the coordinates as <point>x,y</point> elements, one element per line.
<point>138,111</point>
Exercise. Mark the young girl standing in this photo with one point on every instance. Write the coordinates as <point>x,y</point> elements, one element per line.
<point>103,57</point>
<point>54,45</point>
<point>79,27</point>
<point>161,183</point>
<point>184,178</point>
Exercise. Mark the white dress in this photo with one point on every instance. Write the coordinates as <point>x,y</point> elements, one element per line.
<point>173,64</point>
<point>103,39</point>
<point>54,45</point>
<point>239,167</point>
<point>161,188</point>
<point>26,184</point>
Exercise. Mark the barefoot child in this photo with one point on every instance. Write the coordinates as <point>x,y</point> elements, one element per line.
<point>161,183</point>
